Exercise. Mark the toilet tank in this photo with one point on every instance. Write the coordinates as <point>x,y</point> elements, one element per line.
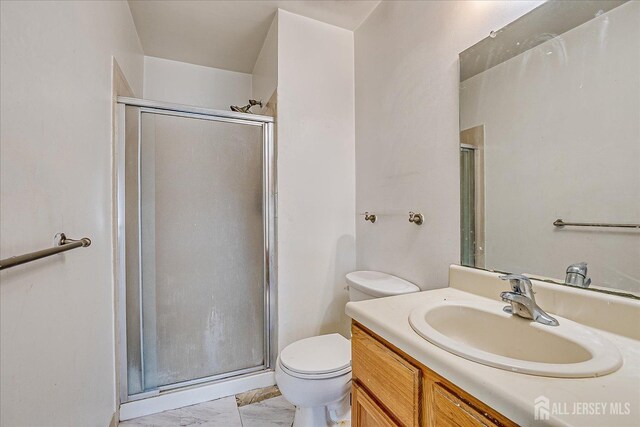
<point>365,285</point>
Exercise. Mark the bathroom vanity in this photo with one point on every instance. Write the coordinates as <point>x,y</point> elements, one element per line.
<point>402,378</point>
<point>390,385</point>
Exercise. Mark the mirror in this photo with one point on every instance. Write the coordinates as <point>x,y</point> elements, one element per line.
<point>550,146</point>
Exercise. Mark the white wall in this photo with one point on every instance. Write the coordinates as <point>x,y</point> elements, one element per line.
<point>182,83</point>
<point>57,314</point>
<point>562,139</point>
<point>407,133</point>
<point>316,176</point>
<point>265,71</point>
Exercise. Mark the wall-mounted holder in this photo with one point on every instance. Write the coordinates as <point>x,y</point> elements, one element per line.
<point>62,244</point>
<point>370,217</point>
<point>416,218</point>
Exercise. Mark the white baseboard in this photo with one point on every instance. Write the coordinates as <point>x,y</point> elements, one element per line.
<point>192,396</point>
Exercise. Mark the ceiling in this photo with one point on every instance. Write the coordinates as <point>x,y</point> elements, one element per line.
<point>228,34</point>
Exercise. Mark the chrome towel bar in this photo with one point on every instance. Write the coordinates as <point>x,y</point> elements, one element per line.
<point>63,244</point>
<point>560,223</point>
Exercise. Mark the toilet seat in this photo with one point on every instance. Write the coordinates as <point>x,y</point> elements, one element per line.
<point>319,357</point>
<point>324,376</point>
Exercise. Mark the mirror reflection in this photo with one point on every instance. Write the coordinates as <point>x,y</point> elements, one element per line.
<point>550,144</point>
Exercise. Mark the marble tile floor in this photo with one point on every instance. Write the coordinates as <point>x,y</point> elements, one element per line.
<point>273,412</point>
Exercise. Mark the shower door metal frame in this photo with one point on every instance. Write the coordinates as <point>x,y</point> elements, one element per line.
<point>474,154</point>
<point>269,227</point>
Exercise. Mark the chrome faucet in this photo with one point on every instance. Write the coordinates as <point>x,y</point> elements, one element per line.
<point>522,301</point>
<point>577,275</point>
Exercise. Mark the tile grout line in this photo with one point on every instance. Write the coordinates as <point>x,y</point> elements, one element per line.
<point>239,414</point>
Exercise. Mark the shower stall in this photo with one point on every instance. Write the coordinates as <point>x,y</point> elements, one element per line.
<point>467,206</point>
<point>196,242</point>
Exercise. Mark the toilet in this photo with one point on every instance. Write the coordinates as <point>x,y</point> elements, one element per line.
<point>314,374</point>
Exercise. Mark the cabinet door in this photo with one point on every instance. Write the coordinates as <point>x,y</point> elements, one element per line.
<point>446,406</point>
<point>393,381</point>
<point>365,412</point>
<point>448,410</point>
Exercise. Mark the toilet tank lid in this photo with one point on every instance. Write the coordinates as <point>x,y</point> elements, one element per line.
<point>321,354</point>
<point>378,284</point>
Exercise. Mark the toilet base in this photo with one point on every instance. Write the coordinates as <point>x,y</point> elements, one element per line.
<point>333,415</point>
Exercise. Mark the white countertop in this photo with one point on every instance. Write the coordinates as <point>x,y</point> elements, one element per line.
<point>572,402</point>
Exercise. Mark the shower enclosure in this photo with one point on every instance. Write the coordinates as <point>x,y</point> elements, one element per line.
<point>467,207</point>
<point>196,239</point>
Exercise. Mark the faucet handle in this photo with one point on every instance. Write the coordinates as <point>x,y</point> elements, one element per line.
<point>519,283</point>
<point>578,267</point>
<point>577,275</point>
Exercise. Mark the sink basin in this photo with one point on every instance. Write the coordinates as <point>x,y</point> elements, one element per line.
<point>482,332</point>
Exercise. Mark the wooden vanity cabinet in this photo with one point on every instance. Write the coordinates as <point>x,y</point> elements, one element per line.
<point>392,389</point>
<point>365,411</point>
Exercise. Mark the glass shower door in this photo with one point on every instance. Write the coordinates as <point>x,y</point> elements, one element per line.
<point>196,250</point>
<point>467,204</point>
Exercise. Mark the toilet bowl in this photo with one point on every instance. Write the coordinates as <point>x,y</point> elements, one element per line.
<point>314,374</point>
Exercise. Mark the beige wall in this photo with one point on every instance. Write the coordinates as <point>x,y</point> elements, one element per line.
<point>57,315</point>
<point>316,176</point>
<point>562,136</point>
<point>407,133</point>
<point>265,71</point>
<point>182,83</point>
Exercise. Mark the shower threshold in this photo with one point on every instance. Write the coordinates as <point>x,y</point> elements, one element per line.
<point>195,391</point>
